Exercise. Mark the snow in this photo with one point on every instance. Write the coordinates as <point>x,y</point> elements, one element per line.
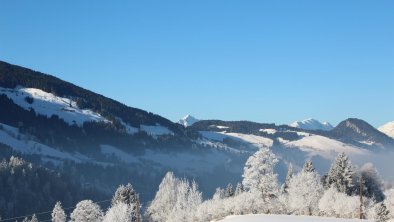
<point>281,140</point>
<point>324,146</point>
<point>10,136</point>
<point>222,127</point>
<point>312,124</point>
<point>129,129</point>
<point>48,104</point>
<point>188,120</point>
<point>257,141</point>
<point>156,130</point>
<point>284,218</point>
<point>218,145</point>
<point>121,155</point>
<point>388,129</point>
<point>268,131</point>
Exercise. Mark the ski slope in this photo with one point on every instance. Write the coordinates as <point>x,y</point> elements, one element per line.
<point>285,218</point>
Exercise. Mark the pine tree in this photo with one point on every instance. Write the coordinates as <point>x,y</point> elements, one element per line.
<point>259,173</point>
<point>308,167</point>
<point>34,218</point>
<point>127,195</point>
<point>58,214</point>
<point>288,178</point>
<point>341,175</point>
<point>239,189</point>
<point>229,190</point>
<point>381,213</point>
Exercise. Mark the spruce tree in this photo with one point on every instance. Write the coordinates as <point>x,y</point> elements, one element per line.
<point>341,174</point>
<point>259,173</point>
<point>58,214</point>
<point>34,218</point>
<point>381,213</point>
<point>308,166</point>
<point>229,190</point>
<point>239,189</point>
<point>127,195</point>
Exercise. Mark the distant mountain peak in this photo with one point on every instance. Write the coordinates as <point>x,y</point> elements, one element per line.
<point>188,120</point>
<point>388,129</point>
<point>361,131</point>
<point>312,124</point>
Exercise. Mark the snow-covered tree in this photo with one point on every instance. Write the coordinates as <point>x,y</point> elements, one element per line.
<point>372,182</point>
<point>188,198</point>
<point>381,213</point>
<point>259,174</point>
<point>304,192</point>
<point>175,200</point>
<point>389,202</point>
<point>25,219</point>
<point>34,218</point>
<point>219,194</point>
<point>165,199</point>
<point>87,211</point>
<point>229,190</point>
<point>126,194</point>
<point>337,204</point>
<point>120,212</point>
<point>58,214</point>
<point>288,177</point>
<point>239,189</point>
<point>341,174</point>
<point>308,166</point>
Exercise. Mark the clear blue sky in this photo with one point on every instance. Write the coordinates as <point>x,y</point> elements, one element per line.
<point>265,61</point>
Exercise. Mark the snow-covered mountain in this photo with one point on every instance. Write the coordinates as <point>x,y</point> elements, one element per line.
<point>187,121</point>
<point>354,130</point>
<point>388,129</point>
<point>312,124</point>
<point>57,122</point>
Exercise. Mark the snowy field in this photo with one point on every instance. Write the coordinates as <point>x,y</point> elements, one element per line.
<point>284,218</point>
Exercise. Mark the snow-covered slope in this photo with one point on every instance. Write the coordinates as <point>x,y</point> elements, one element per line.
<point>312,124</point>
<point>359,131</point>
<point>388,129</point>
<point>11,137</point>
<point>257,141</point>
<point>188,120</point>
<point>285,218</point>
<point>48,104</point>
<point>323,146</point>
